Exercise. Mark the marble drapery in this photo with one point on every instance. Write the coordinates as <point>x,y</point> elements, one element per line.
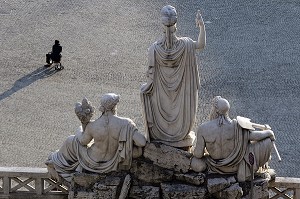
<point>240,154</point>
<point>73,156</point>
<point>170,97</point>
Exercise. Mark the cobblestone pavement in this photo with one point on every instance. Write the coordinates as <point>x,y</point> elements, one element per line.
<point>251,58</point>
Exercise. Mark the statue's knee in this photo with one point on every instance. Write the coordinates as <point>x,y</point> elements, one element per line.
<point>198,165</point>
<point>69,139</point>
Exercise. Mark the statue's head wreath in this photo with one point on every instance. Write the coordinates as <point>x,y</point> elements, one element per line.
<point>220,109</point>
<point>109,102</point>
<point>168,15</point>
<point>169,19</point>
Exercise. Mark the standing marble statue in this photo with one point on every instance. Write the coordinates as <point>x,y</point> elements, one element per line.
<point>224,146</point>
<point>170,96</point>
<point>101,146</point>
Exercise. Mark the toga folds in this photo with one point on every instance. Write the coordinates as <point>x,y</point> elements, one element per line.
<point>170,97</point>
<point>239,157</point>
<point>73,156</point>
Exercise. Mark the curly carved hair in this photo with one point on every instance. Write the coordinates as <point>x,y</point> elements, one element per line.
<point>109,102</point>
<point>220,107</point>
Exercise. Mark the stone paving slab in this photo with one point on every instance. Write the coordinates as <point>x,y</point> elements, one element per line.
<point>251,58</point>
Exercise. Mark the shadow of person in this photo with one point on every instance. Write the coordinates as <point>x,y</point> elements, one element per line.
<point>40,73</point>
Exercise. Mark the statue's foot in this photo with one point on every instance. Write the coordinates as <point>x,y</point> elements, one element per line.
<point>184,144</point>
<point>198,165</point>
<point>269,174</point>
<point>51,170</point>
<point>272,173</point>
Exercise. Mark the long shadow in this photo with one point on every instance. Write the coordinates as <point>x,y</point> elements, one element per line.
<point>40,73</point>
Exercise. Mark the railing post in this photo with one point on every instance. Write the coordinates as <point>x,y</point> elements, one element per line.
<point>39,186</point>
<point>6,185</point>
<point>296,194</point>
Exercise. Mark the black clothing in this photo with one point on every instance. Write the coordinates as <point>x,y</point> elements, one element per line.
<point>56,49</point>
<point>55,55</point>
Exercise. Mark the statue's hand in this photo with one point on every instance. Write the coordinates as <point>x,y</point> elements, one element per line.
<point>199,20</point>
<point>271,135</point>
<point>84,111</point>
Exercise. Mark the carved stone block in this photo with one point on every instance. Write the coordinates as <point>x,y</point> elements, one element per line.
<point>168,157</point>
<point>145,192</point>
<point>86,180</point>
<point>233,192</point>
<point>82,195</point>
<point>93,186</point>
<point>182,191</point>
<point>192,178</point>
<point>215,185</point>
<point>105,191</point>
<point>260,189</point>
<point>150,173</point>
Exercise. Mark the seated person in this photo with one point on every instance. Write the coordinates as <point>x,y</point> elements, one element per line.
<point>223,146</point>
<point>107,144</point>
<point>55,55</point>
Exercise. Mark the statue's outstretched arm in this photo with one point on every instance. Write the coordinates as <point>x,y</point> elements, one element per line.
<point>200,44</point>
<point>84,112</point>
<point>260,135</point>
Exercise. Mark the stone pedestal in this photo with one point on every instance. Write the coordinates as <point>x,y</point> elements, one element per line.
<point>168,157</point>
<point>152,177</point>
<point>172,190</point>
<point>145,192</point>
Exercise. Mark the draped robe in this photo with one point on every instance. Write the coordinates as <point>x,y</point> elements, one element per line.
<point>170,97</point>
<point>73,156</point>
<point>239,156</point>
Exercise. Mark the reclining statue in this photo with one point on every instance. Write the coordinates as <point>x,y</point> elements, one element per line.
<point>170,96</point>
<point>101,146</point>
<point>223,146</point>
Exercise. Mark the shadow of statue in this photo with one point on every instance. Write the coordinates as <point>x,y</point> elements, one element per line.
<point>40,73</point>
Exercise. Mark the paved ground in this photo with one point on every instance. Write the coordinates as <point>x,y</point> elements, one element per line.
<point>251,58</point>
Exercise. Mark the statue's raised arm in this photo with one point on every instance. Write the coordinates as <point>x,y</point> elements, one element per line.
<point>170,96</point>
<point>84,112</point>
<point>200,44</point>
<point>116,141</point>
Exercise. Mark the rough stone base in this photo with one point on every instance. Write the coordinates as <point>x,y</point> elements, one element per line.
<point>170,190</point>
<point>145,192</point>
<point>160,175</point>
<point>168,157</point>
<point>174,186</point>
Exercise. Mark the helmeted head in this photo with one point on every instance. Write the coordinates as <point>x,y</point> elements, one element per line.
<point>109,102</point>
<point>168,16</point>
<point>220,108</point>
<point>56,42</point>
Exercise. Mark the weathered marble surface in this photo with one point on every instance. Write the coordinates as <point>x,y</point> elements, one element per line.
<point>226,147</point>
<point>164,183</point>
<point>170,96</point>
<point>107,144</point>
<point>173,158</point>
<point>104,168</point>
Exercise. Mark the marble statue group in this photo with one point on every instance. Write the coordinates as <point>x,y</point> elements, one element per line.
<point>169,100</point>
